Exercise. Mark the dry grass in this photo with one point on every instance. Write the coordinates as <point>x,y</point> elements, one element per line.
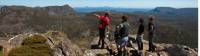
<point>32,46</point>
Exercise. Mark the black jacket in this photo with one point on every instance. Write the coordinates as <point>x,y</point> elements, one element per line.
<point>141,29</point>
<point>151,28</point>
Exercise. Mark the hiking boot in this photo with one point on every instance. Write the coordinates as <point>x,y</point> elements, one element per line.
<point>102,47</point>
<point>140,53</point>
<point>99,46</point>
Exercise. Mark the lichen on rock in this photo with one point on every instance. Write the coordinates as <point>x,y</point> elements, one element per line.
<point>52,43</point>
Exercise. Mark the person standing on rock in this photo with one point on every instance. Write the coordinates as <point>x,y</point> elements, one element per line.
<point>140,34</point>
<point>123,33</point>
<point>151,30</point>
<point>104,21</point>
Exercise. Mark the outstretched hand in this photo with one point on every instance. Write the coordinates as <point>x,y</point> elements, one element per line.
<point>96,15</point>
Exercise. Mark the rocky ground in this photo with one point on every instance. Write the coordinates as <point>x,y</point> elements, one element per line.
<point>62,46</point>
<point>161,50</point>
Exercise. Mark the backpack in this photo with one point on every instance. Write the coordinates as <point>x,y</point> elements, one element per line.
<point>116,33</point>
<point>104,21</point>
<point>124,29</point>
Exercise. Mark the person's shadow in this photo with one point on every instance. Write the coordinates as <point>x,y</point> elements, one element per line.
<point>95,46</point>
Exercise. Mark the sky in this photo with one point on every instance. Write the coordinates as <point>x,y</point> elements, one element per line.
<point>102,3</point>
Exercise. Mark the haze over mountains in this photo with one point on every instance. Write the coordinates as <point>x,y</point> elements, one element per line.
<point>113,9</point>
<point>131,10</point>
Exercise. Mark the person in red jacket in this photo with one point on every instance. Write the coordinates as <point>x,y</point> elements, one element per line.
<point>104,21</point>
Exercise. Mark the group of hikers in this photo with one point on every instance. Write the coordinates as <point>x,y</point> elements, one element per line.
<point>122,32</point>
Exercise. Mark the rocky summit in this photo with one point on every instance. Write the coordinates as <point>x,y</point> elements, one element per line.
<point>55,43</point>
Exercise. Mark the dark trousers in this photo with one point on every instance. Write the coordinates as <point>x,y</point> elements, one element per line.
<point>123,52</point>
<point>151,44</point>
<point>102,34</point>
<point>139,42</point>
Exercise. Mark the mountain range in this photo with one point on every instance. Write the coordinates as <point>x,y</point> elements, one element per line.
<point>113,9</point>
<point>173,25</point>
<point>132,10</point>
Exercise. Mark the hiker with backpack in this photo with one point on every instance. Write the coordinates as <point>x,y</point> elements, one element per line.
<point>151,30</point>
<point>104,21</point>
<point>140,34</point>
<point>123,34</point>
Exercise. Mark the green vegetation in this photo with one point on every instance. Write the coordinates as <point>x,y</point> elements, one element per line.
<point>32,46</point>
<point>1,51</point>
<point>36,39</point>
<point>55,35</point>
<point>175,29</point>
